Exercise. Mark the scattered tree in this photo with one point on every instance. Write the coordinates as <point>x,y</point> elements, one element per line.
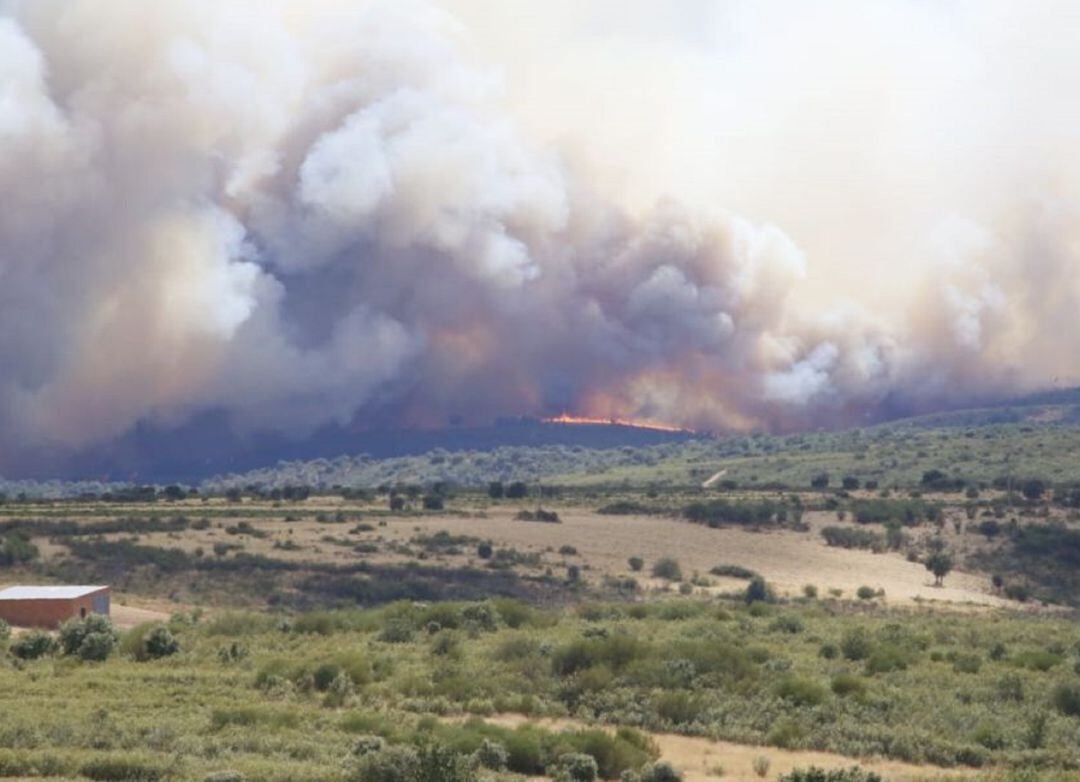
<point>940,563</point>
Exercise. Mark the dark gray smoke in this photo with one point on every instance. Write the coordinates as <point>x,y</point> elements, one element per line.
<point>319,211</point>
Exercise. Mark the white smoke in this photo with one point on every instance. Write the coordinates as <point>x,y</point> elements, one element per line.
<point>303,212</point>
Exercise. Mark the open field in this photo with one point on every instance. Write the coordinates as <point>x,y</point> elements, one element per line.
<point>304,696</point>
<point>328,534</point>
<point>737,631</point>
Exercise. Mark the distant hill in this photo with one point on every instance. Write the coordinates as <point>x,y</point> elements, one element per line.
<point>205,447</point>
<point>975,447</point>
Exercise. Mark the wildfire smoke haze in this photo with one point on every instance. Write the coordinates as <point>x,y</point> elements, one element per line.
<point>720,215</point>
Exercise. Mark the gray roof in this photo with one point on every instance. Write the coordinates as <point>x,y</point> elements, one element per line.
<point>47,592</point>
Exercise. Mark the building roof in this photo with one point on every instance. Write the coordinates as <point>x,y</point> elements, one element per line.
<point>47,592</point>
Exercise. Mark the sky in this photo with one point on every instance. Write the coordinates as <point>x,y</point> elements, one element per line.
<point>719,214</point>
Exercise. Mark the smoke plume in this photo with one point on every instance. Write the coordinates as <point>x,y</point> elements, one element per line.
<point>723,215</point>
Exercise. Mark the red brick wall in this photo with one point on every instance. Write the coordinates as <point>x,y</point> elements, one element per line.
<point>44,613</point>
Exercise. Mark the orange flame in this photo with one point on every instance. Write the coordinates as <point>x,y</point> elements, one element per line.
<point>658,426</point>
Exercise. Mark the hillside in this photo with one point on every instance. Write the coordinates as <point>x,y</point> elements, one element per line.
<point>978,446</point>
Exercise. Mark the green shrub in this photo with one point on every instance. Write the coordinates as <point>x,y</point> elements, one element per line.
<point>759,591</point>
<point>801,691</point>
<point>865,593</point>
<point>636,563</point>
<point>5,631</point>
<point>1066,698</point>
<point>677,707</point>
<point>437,763</point>
<point>886,658</point>
<point>615,651</point>
<point>845,684</point>
<point>734,571</point>
<point>967,663</point>
<point>853,537</point>
<point>815,774</point>
<point>576,767</point>
<point>17,549</point>
<point>785,733</point>
<point>660,771</point>
<point>492,755</point>
<point>161,643</point>
<point>122,769</point>
<point>92,638</point>
<point>856,644</point>
<point>394,763</point>
<point>788,624</point>
<point>1037,659</point>
<point>667,569</point>
<point>35,644</point>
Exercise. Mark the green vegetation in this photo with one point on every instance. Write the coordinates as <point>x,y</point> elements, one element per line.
<point>380,685</point>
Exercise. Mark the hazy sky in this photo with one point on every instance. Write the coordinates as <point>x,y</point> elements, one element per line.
<point>723,214</point>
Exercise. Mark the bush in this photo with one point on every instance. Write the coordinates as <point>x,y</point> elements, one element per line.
<point>815,774</point>
<point>391,764</point>
<point>785,733</point>
<point>886,658</point>
<point>734,571</point>
<point>35,644</point>
<point>677,707</point>
<point>576,767</point>
<point>492,755</point>
<point>967,663</point>
<point>17,550</point>
<point>5,631</point>
<point>159,642</point>
<point>865,593</point>
<point>845,684</point>
<point>121,769</point>
<point>668,569</point>
<point>856,644</point>
<point>660,771</point>
<point>714,513</point>
<point>801,691</point>
<point>853,537</point>
<point>437,763</point>
<point>759,591</point>
<point>92,638</point>
<point>433,502</point>
<point>1066,698</point>
<point>636,563</point>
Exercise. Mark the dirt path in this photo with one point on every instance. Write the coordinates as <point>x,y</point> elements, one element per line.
<point>700,758</point>
<point>125,616</point>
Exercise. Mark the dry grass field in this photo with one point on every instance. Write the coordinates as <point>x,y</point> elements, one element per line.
<point>328,531</point>
<point>706,760</point>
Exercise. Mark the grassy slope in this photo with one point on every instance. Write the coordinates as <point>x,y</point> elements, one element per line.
<point>725,671</point>
<point>1038,440</point>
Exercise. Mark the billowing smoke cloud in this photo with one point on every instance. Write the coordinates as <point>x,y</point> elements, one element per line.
<point>304,212</point>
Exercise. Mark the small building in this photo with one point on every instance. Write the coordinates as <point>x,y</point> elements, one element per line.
<point>51,606</point>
